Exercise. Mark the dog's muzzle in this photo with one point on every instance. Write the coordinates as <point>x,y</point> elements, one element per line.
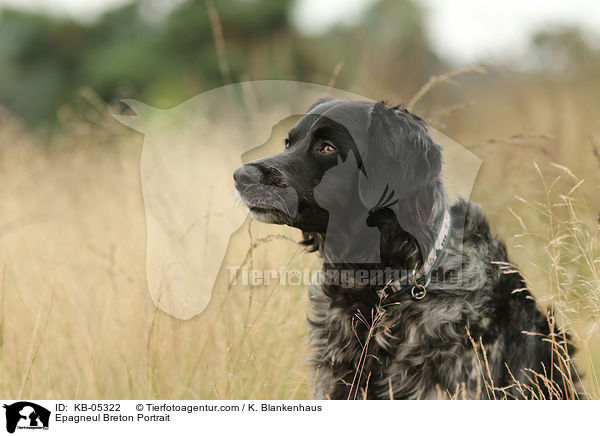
<point>268,199</point>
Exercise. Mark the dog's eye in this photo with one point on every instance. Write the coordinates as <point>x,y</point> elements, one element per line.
<point>286,144</point>
<point>327,148</point>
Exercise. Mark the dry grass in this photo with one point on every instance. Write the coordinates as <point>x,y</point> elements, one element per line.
<point>76,320</point>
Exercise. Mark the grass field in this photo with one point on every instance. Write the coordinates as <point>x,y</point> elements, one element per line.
<point>77,321</point>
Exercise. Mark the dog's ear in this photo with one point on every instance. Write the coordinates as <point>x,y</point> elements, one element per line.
<point>415,146</point>
<point>402,163</point>
<point>400,155</point>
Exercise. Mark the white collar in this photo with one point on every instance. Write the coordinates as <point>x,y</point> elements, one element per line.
<point>438,246</point>
<point>419,290</point>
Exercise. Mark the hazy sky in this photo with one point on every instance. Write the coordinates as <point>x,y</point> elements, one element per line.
<point>464,31</point>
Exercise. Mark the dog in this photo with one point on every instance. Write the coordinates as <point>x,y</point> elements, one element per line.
<point>417,299</point>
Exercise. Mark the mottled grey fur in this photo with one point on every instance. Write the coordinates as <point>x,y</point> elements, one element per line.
<point>399,347</point>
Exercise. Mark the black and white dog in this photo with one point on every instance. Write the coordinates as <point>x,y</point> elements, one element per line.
<point>418,300</point>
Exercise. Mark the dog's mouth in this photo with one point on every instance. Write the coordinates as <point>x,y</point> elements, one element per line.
<point>268,214</point>
<point>261,207</point>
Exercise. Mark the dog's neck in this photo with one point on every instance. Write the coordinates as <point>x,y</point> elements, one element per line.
<point>401,237</point>
<point>420,216</point>
<point>351,242</point>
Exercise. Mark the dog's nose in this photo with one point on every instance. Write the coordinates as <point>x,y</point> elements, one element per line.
<point>247,175</point>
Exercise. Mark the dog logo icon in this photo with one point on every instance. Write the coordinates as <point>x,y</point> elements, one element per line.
<point>26,415</point>
<point>190,152</point>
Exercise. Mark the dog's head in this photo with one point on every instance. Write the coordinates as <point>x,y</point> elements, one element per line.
<point>383,158</point>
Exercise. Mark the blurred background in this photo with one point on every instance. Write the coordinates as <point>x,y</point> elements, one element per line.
<point>164,52</point>
<point>517,83</point>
